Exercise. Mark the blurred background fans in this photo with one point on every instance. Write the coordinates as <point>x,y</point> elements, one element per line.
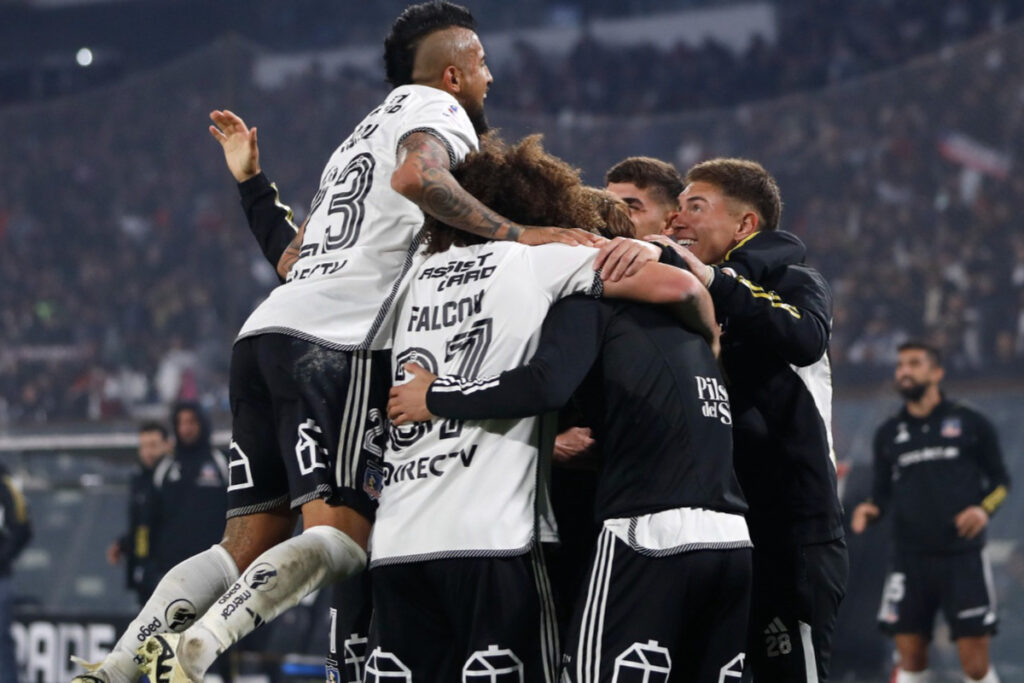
<point>893,127</point>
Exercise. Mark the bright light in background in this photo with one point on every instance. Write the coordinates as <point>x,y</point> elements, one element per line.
<point>84,57</point>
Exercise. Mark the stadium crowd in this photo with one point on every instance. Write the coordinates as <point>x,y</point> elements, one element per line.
<point>125,269</point>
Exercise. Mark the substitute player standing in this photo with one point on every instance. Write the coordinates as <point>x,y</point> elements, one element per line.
<point>940,474</point>
<point>309,364</point>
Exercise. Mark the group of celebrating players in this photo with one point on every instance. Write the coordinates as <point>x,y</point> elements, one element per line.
<point>400,391</point>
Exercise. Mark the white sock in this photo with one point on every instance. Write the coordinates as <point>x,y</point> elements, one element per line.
<point>990,677</point>
<point>911,676</point>
<point>276,581</point>
<point>185,592</point>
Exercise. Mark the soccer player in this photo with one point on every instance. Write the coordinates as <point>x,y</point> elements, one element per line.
<point>667,596</point>
<point>309,365</point>
<point>650,187</point>
<point>776,315</point>
<point>458,580</point>
<point>939,473</point>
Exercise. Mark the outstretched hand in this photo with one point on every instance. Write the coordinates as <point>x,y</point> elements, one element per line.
<point>238,142</point>
<point>408,402</point>
<point>572,236</point>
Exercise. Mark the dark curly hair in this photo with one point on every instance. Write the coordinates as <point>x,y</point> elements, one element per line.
<point>527,185</point>
<point>411,26</point>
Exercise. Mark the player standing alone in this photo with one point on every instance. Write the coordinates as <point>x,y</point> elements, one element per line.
<point>940,474</point>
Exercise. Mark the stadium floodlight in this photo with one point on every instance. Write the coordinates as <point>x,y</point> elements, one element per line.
<point>84,56</point>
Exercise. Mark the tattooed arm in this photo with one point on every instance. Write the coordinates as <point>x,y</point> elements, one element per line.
<point>424,177</point>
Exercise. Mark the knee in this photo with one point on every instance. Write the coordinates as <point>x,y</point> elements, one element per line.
<point>913,659</point>
<point>974,658</point>
<point>249,536</point>
<point>975,666</point>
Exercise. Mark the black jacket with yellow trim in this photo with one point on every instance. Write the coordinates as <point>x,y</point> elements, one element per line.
<point>776,317</point>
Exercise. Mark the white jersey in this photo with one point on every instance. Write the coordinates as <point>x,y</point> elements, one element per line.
<point>361,236</point>
<point>456,488</point>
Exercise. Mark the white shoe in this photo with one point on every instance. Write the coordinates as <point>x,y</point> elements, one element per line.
<point>160,661</point>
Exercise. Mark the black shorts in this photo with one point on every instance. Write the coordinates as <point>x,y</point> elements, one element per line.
<point>307,422</point>
<point>487,619</point>
<point>681,617</point>
<point>919,585</point>
<point>349,624</point>
<point>797,591</point>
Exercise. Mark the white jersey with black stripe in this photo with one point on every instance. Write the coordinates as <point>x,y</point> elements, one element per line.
<point>470,488</point>
<point>361,236</point>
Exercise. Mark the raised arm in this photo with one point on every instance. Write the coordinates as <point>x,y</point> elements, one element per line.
<point>423,175</point>
<point>270,221</point>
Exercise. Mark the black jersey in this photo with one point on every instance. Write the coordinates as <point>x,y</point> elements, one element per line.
<point>651,391</point>
<point>776,316</point>
<point>927,470</point>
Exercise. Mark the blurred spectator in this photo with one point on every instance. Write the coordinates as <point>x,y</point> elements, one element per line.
<point>15,532</point>
<point>134,545</point>
<point>189,500</point>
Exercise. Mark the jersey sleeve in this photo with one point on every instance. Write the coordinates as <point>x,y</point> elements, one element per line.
<point>271,222</point>
<point>441,116</point>
<point>569,344</point>
<point>990,460</point>
<point>561,270</point>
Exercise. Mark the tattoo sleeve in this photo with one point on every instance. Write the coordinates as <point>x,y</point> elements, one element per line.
<point>291,253</point>
<point>441,196</point>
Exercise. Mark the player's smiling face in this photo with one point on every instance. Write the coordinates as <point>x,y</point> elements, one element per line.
<point>708,222</point>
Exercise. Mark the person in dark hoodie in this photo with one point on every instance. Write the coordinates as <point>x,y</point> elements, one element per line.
<point>189,502</point>
<point>776,317</point>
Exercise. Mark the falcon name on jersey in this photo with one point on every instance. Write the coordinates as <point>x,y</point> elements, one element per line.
<point>457,488</point>
<point>361,236</point>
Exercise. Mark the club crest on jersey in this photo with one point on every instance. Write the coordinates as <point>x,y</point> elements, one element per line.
<point>951,428</point>
<point>373,482</point>
<point>209,475</point>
